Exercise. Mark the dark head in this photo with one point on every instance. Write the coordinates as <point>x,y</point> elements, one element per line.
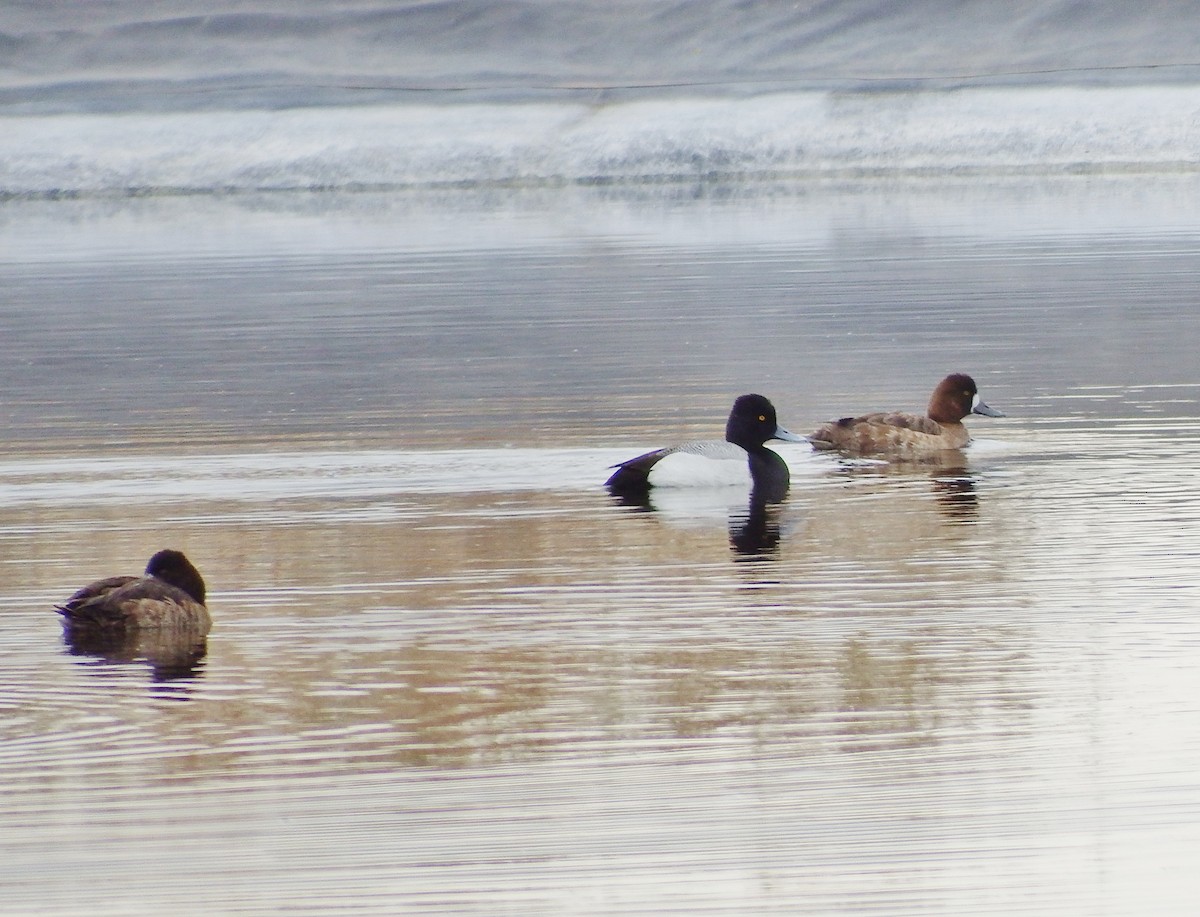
<point>955,397</point>
<point>174,568</point>
<point>752,422</point>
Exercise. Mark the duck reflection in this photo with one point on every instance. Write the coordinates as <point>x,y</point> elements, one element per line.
<point>953,486</point>
<point>753,523</point>
<point>757,533</point>
<point>956,496</point>
<point>170,656</point>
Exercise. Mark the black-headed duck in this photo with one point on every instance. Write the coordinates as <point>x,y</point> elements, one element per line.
<point>909,435</point>
<point>169,596</point>
<point>741,458</point>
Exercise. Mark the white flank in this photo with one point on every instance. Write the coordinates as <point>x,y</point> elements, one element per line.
<point>707,464</point>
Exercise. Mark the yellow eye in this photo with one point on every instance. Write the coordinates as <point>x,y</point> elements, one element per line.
<point>762,417</point>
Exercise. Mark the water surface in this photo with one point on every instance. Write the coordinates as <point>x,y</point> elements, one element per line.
<point>449,674</point>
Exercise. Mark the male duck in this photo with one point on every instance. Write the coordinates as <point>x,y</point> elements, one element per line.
<point>741,459</point>
<point>909,435</point>
<point>169,596</point>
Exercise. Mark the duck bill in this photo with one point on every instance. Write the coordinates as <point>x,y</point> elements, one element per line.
<point>787,436</point>
<point>981,408</point>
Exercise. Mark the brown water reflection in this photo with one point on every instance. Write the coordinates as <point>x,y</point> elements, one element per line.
<point>472,629</point>
<point>413,705</point>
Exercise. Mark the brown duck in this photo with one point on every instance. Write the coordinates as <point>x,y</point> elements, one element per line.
<point>169,596</point>
<point>904,435</point>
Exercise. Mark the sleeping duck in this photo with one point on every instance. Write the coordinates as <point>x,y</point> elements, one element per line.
<point>169,596</point>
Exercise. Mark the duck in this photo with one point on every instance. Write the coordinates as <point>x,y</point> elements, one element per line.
<point>169,596</point>
<point>909,435</point>
<point>741,458</point>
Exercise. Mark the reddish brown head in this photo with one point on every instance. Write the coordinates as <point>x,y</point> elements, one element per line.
<point>955,397</point>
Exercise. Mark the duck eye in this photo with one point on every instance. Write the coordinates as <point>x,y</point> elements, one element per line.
<point>762,418</point>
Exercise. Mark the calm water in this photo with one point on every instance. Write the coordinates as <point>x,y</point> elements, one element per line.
<point>450,675</point>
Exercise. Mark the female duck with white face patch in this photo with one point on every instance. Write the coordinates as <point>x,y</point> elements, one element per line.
<point>742,458</point>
